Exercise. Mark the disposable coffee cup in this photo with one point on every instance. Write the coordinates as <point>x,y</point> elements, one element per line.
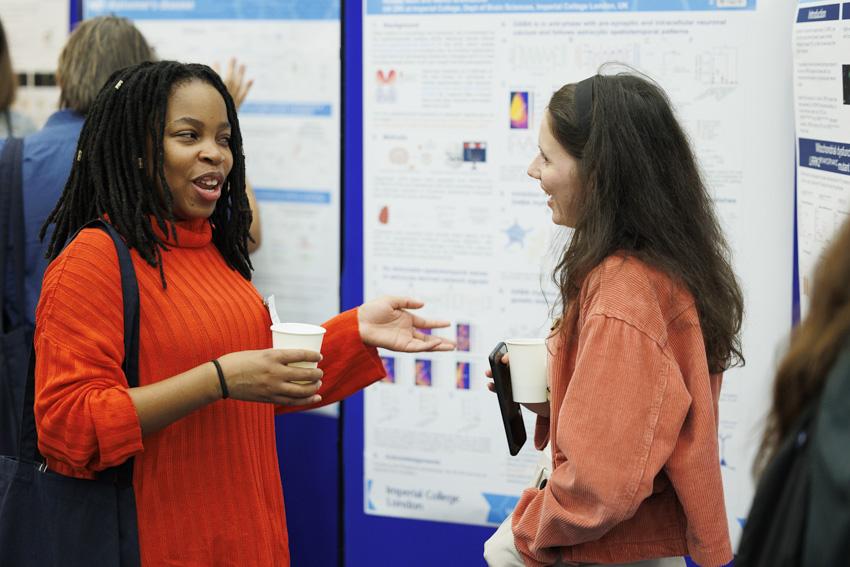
<point>528,363</point>
<point>298,336</point>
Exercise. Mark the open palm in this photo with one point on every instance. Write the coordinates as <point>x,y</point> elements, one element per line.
<point>386,323</point>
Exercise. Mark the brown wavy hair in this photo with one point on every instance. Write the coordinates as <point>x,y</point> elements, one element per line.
<point>815,345</point>
<point>643,194</point>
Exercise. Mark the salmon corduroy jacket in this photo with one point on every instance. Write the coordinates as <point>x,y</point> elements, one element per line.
<point>633,430</point>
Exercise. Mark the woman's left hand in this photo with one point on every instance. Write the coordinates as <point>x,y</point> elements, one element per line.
<point>385,323</point>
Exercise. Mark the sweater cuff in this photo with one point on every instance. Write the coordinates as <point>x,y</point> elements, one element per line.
<point>541,432</point>
<point>348,364</point>
<point>365,363</point>
<point>117,430</point>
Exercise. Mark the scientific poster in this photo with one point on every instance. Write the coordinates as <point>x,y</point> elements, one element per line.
<point>290,126</point>
<point>454,92</point>
<point>822,112</point>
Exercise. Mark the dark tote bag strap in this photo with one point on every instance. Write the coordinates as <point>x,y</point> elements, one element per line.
<point>12,226</point>
<point>123,473</point>
<point>9,132</point>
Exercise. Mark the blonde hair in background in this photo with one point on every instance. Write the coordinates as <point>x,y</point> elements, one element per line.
<point>8,79</point>
<point>96,49</point>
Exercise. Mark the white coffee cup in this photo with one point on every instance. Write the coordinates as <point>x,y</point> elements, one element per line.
<point>528,363</point>
<point>298,336</point>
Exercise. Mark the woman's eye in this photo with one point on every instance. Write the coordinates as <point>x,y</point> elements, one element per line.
<point>187,135</point>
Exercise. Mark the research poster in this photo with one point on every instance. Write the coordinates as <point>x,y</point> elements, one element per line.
<point>822,112</point>
<point>290,126</point>
<point>453,97</point>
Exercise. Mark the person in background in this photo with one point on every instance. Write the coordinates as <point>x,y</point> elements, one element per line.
<point>12,123</point>
<point>170,177</point>
<point>814,376</point>
<point>649,318</point>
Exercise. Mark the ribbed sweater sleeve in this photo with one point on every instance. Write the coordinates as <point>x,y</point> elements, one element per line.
<point>86,419</point>
<point>619,424</point>
<point>348,364</point>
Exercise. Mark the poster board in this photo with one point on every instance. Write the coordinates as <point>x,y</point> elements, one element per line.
<point>453,94</point>
<point>821,39</point>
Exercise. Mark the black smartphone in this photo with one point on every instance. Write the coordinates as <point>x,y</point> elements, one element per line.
<point>511,413</point>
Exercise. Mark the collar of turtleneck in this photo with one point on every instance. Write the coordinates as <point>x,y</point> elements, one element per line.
<point>193,233</point>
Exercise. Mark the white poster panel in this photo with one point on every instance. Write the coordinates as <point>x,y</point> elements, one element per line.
<point>822,112</point>
<point>290,127</point>
<point>453,96</point>
<point>35,32</point>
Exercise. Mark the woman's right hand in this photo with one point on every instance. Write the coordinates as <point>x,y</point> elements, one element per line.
<point>263,376</point>
<point>542,409</point>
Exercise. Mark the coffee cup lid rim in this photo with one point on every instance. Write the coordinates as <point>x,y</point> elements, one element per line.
<point>298,329</point>
<point>525,341</point>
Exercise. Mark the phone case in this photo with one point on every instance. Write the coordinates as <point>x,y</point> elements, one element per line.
<point>511,413</point>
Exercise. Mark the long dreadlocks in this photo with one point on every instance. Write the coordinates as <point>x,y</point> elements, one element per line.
<point>119,150</point>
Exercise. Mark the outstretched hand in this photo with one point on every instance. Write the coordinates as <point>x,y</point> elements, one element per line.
<point>235,81</point>
<point>386,323</point>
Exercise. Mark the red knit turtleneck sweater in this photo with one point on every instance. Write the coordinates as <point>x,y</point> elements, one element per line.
<point>208,486</point>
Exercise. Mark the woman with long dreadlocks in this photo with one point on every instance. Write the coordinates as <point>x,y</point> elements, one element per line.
<point>160,157</point>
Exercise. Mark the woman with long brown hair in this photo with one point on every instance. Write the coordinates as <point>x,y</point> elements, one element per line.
<point>649,318</point>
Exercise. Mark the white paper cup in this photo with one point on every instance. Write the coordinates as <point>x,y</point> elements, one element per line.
<point>528,363</point>
<point>298,336</point>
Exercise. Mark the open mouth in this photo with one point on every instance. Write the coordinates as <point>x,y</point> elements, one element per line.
<point>209,182</point>
<point>209,185</point>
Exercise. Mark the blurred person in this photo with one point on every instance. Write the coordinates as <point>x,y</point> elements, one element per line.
<point>170,177</point>
<point>12,123</point>
<point>649,319</point>
<point>800,514</point>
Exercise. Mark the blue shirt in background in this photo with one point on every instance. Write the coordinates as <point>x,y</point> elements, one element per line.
<point>48,156</point>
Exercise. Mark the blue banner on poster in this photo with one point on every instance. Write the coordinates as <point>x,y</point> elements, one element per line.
<point>824,13</point>
<point>286,108</point>
<point>306,196</point>
<point>826,156</point>
<point>387,7</point>
<point>214,9</point>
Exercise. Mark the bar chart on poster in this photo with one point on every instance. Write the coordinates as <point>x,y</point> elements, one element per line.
<point>453,96</point>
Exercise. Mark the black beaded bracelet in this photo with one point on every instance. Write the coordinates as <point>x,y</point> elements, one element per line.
<point>224,393</point>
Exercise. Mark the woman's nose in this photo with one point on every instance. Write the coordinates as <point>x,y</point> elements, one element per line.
<point>534,168</point>
<point>212,153</point>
